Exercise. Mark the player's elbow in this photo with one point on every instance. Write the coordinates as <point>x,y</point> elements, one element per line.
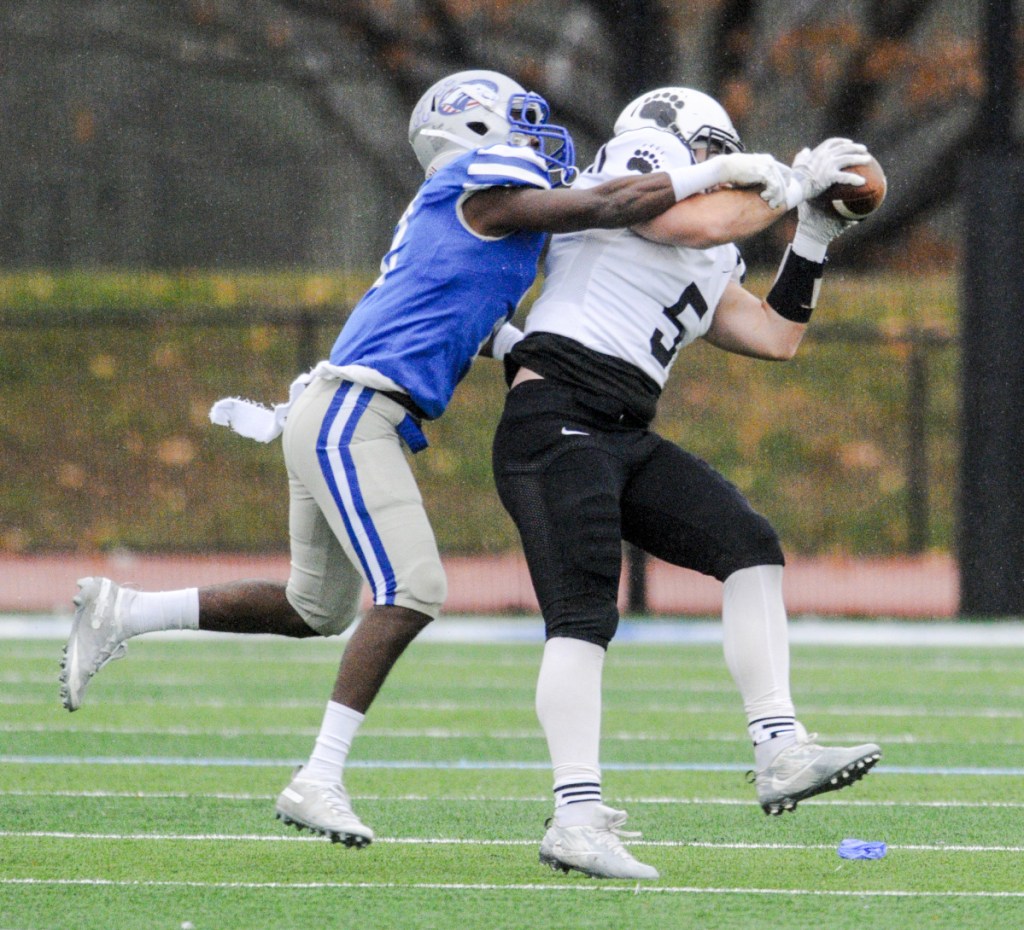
<point>781,338</point>
<point>785,353</point>
<point>785,346</point>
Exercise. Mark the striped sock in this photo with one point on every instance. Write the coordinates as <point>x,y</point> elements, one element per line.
<point>770,736</point>
<point>575,800</point>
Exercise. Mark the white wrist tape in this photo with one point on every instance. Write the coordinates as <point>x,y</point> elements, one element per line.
<point>504,339</point>
<point>807,246</point>
<point>692,179</point>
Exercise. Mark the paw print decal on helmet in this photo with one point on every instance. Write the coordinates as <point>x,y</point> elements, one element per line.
<point>662,108</point>
<point>693,117</point>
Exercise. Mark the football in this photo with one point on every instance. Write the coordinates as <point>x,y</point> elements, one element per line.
<point>855,203</point>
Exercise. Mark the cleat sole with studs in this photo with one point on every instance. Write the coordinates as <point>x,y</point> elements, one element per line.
<point>554,864</point>
<point>349,840</point>
<point>854,772</point>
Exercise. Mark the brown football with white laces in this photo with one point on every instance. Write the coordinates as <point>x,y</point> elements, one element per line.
<point>855,203</point>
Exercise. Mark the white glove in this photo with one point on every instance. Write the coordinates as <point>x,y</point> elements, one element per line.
<point>746,169</point>
<point>819,168</point>
<point>816,228</point>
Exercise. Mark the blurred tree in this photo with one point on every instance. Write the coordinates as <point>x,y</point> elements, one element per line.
<point>855,71</point>
<point>900,75</point>
<point>647,50</point>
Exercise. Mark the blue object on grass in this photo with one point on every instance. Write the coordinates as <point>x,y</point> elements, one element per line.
<point>861,849</point>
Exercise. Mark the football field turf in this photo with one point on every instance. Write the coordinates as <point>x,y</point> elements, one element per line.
<point>152,806</point>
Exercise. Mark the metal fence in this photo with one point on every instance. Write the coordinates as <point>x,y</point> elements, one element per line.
<point>309,329</point>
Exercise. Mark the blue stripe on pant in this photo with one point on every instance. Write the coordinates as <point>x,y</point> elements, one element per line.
<point>341,420</point>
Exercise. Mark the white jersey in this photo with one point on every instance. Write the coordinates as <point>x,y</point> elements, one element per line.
<point>625,296</point>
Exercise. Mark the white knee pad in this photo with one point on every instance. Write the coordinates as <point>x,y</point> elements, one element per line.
<point>425,588</point>
<point>333,606</point>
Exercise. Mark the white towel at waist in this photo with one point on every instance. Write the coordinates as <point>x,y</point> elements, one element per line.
<point>264,424</point>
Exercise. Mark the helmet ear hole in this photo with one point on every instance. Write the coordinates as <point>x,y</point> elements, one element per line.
<point>479,128</point>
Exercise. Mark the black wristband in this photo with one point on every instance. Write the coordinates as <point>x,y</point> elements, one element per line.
<point>795,291</point>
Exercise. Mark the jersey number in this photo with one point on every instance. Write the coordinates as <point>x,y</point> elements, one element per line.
<point>388,262</point>
<point>691,297</point>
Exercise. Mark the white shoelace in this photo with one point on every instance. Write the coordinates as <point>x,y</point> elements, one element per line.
<point>612,834</point>
<point>337,800</point>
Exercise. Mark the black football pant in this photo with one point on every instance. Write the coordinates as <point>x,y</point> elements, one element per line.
<point>578,477</point>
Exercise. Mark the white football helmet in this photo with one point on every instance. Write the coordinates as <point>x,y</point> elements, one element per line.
<point>697,119</point>
<point>473,109</point>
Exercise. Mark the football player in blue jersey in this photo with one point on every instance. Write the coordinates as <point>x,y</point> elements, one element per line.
<point>463,254</point>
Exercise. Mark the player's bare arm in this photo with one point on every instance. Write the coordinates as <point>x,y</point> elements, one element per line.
<point>722,216</point>
<point>747,325</point>
<point>711,219</point>
<point>621,202</point>
<point>499,211</point>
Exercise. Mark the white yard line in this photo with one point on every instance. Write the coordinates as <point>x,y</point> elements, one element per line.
<point>473,766</point>
<point>493,799</point>
<point>322,653</point>
<point>526,706</point>
<point>453,841</point>
<point>582,886</point>
<point>442,733</point>
<point>617,690</point>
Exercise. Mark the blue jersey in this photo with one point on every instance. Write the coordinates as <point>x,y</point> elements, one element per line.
<point>443,289</point>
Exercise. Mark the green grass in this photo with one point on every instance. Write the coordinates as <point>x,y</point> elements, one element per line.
<point>60,295</point>
<point>153,805</point>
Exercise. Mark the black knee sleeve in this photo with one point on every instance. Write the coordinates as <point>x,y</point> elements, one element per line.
<point>761,547</point>
<point>589,619</point>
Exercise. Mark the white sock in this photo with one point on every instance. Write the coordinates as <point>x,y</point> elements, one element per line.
<point>577,793</point>
<point>569,710</point>
<point>755,639</point>
<point>770,735</point>
<point>147,612</point>
<point>330,751</point>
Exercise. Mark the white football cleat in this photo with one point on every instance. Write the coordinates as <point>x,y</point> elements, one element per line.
<point>97,637</point>
<point>594,849</point>
<point>323,809</point>
<point>805,769</point>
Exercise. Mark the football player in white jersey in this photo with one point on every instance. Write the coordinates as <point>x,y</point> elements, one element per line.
<point>463,255</point>
<point>579,470</point>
